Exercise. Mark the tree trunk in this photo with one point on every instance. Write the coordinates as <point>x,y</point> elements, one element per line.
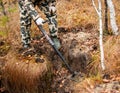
<point>2,6</point>
<point>101,36</point>
<point>106,17</point>
<point>99,12</point>
<point>112,17</point>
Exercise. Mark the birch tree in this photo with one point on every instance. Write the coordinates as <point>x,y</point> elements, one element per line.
<point>106,16</point>
<point>112,17</point>
<point>99,12</point>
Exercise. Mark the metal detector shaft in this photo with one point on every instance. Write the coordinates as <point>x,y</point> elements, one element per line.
<point>54,47</point>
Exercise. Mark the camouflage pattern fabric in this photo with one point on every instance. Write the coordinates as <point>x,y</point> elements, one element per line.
<point>28,12</point>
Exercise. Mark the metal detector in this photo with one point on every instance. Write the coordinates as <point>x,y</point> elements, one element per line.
<point>56,50</point>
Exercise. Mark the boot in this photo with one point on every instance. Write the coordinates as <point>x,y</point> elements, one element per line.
<point>26,50</point>
<point>56,42</point>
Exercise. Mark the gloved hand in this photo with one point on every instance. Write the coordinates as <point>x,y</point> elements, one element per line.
<point>39,21</point>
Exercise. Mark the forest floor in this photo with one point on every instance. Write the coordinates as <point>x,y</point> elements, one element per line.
<point>79,37</point>
<point>73,42</point>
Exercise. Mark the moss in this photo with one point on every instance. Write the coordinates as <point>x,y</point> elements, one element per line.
<point>3,33</point>
<point>4,20</point>
<point>12,10</point>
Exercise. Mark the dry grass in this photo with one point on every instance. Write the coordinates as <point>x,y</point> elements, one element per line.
<point>75,12</point>
<point>71,13</point>
<point>87,86</point>
<point>112,62</point>
<point>112,54</point>
<point>26,76</point>
<point>79,12</point>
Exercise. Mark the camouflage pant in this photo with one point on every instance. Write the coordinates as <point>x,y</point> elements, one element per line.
<point>25,20</point>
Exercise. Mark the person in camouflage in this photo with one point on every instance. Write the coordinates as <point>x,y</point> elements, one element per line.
<point>28,12</point>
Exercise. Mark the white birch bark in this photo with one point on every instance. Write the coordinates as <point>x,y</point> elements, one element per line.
<point>99,12</point>
<point>112,17</point>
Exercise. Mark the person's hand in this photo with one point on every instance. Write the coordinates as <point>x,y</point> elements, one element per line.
<point>39,21</point>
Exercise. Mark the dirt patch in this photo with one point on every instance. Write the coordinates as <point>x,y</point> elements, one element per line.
<point>111,87</point>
